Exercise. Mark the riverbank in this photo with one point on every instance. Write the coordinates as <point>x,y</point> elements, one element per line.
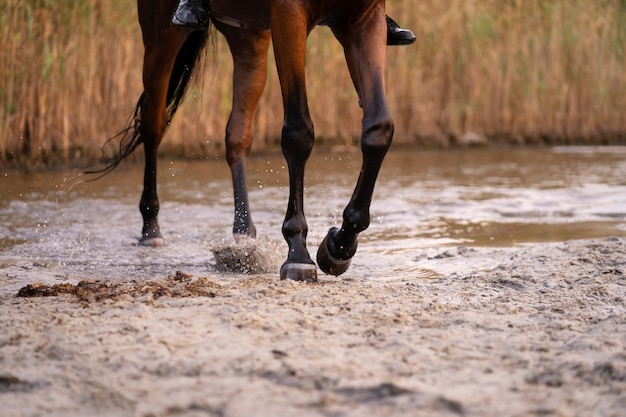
<point>541,333</point>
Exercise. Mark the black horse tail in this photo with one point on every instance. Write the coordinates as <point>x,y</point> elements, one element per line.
<point>130,137</point>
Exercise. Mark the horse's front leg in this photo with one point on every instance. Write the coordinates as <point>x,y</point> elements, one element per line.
<point>289,40</point>
<point>249,51</point>
<point>365,54</point>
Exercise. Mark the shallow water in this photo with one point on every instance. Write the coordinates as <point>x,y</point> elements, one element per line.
<point>52,226</point>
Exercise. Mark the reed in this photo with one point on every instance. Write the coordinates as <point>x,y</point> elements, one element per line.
<point>526,71</point>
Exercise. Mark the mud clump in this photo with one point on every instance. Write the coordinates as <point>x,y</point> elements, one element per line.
<point>40,290</point>
<point>179,285</point>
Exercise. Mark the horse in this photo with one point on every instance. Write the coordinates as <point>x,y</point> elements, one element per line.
<point>171,55</point>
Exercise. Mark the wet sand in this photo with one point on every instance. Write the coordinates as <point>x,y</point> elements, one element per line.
<point>532,330</point>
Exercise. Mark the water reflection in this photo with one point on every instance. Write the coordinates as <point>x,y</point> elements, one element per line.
<point>423,199</point>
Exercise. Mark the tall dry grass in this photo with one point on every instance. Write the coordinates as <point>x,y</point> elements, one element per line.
<point>522,70</point>
<point>69,73</point>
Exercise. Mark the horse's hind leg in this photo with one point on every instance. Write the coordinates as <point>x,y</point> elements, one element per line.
<point>159,58</point>
<point>365,55</point>
<point>249,51</point>
<point>289,32</point>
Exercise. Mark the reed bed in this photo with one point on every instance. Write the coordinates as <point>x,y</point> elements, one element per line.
<point>524,71</point>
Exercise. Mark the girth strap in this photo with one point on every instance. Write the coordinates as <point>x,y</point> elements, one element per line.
<point>229,21</point>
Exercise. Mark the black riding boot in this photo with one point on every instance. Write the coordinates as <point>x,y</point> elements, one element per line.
<point>192,14</point>
<point>398,36</point>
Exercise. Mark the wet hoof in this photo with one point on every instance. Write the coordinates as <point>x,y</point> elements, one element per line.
<point>152,241</point>
<point>299,272</point>
<point>327,262</point>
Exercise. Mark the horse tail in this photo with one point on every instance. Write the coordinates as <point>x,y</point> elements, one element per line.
<point>186,62</point>
<point>130,137</point>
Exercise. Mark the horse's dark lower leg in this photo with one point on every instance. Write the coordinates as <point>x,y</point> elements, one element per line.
<point>249,51</point>
<point>242,223</point>
<point>339,246</point>
<point>152,128</point>
<point>157,67</point>
<point>366,69</point>
<point>289,39</point>
<point>297,142</point>
<point>149,203</point>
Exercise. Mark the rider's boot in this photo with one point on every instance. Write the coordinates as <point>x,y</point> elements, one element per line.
<point>398,36</point>
<point>192,14</point>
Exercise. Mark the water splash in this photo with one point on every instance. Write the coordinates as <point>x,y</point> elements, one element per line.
<point>422,200</point>
<point>248,256</point>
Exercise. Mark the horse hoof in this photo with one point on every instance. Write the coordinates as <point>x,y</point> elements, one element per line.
<point>152,242</point>
<point>299,272</point>
<point>328,263</point>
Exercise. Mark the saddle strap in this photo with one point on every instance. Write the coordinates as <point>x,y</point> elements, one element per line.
<point>229,21</point>
<point>241,24</point>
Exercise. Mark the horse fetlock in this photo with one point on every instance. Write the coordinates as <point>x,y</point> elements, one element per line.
<point>341,245</point>
<point>295,227</point>
<point>332,256</point>
<point>354,222</point>
<point>149,209</point>
<point>151,230</point>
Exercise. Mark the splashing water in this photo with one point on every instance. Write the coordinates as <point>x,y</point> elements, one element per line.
<point>424,201</point>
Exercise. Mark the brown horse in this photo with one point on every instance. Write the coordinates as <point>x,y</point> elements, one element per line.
<point>171,53</point>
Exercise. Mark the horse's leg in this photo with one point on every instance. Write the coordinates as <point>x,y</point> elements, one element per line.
<point>365,54</point>
<point>249,51</point>
<point>161,48</point>
<point>289,33</point>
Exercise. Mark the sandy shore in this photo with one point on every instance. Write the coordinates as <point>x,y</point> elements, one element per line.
<point>541,334</point>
